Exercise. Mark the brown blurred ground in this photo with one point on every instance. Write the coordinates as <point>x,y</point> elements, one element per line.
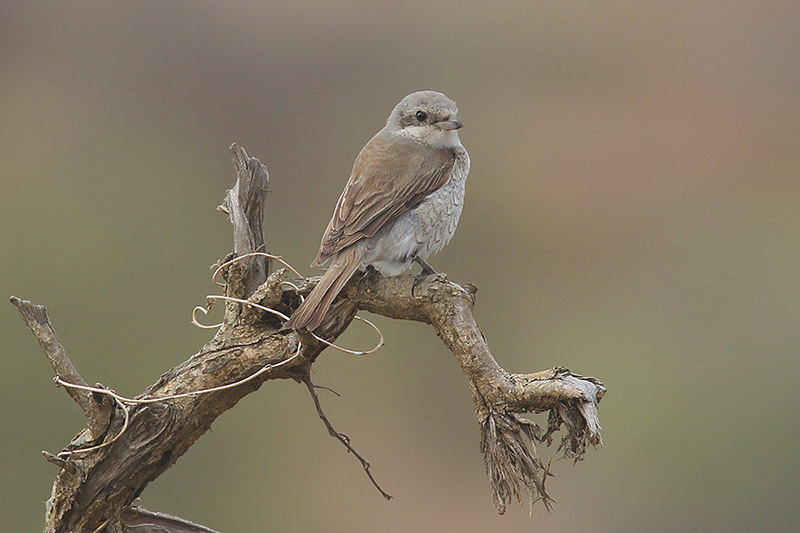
<point>633,213</point>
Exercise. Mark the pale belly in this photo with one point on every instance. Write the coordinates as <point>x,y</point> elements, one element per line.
<point>422,231</point>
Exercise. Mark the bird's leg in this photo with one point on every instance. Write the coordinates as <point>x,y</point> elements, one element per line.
<point>427,270</point>
<point>368,273</point>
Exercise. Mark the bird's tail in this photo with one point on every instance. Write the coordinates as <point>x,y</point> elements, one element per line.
<point>310,313</point>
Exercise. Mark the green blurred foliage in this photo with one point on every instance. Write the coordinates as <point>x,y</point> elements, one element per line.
<point>632,213</point>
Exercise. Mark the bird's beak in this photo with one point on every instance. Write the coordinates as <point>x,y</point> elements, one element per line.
<point>452,123</point>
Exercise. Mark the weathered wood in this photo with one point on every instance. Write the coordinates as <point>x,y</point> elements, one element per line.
<point>138,520</point>
<point>95,408</point>
<point>500,398</point>
<point>244,204</point>
<point>95,489</point>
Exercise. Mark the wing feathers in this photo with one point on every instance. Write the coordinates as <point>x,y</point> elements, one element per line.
<point>390,176</point>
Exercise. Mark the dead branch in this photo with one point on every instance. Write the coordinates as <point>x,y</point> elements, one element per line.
<point>134,441</point>
<point>507,438</point>
<point>96,410</point>
<point>139,520</point>
<point>341,437</point>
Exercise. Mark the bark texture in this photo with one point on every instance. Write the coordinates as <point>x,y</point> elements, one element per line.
<point>95,490</point>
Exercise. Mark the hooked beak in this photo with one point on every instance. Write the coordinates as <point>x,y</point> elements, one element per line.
<point>452,123</point>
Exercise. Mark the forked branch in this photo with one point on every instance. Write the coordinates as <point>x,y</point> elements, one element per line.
<point>501,398</point>
<point>129,442</point>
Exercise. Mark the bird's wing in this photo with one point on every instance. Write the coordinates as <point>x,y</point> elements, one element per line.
<point>389,177</point>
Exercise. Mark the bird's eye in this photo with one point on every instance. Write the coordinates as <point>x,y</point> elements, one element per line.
<point>421,116</point>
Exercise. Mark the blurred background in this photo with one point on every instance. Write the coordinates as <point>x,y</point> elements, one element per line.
<point>633,213</point>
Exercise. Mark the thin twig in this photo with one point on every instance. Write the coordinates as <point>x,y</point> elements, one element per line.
<point>323,387</point>
<point>341,437</point>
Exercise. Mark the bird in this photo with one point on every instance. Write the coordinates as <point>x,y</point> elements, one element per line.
<point>401,204</point>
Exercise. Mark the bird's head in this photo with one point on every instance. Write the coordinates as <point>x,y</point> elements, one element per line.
<point>428,117</point>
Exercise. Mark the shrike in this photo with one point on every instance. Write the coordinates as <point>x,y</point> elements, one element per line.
<point>401,204</point>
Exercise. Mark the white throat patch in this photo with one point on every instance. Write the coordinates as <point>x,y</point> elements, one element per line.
<point>432,136</point>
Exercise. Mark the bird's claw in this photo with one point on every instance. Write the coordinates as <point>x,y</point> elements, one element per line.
<point>368,274</point>
<point>419,278</point>
<point>427,270</point>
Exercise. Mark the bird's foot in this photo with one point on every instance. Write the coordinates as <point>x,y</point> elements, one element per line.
<point>427,270</point>
<point>369,274</point>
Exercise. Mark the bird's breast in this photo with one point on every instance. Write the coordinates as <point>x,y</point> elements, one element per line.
<point>422,230</point>
<point>437,216</point>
